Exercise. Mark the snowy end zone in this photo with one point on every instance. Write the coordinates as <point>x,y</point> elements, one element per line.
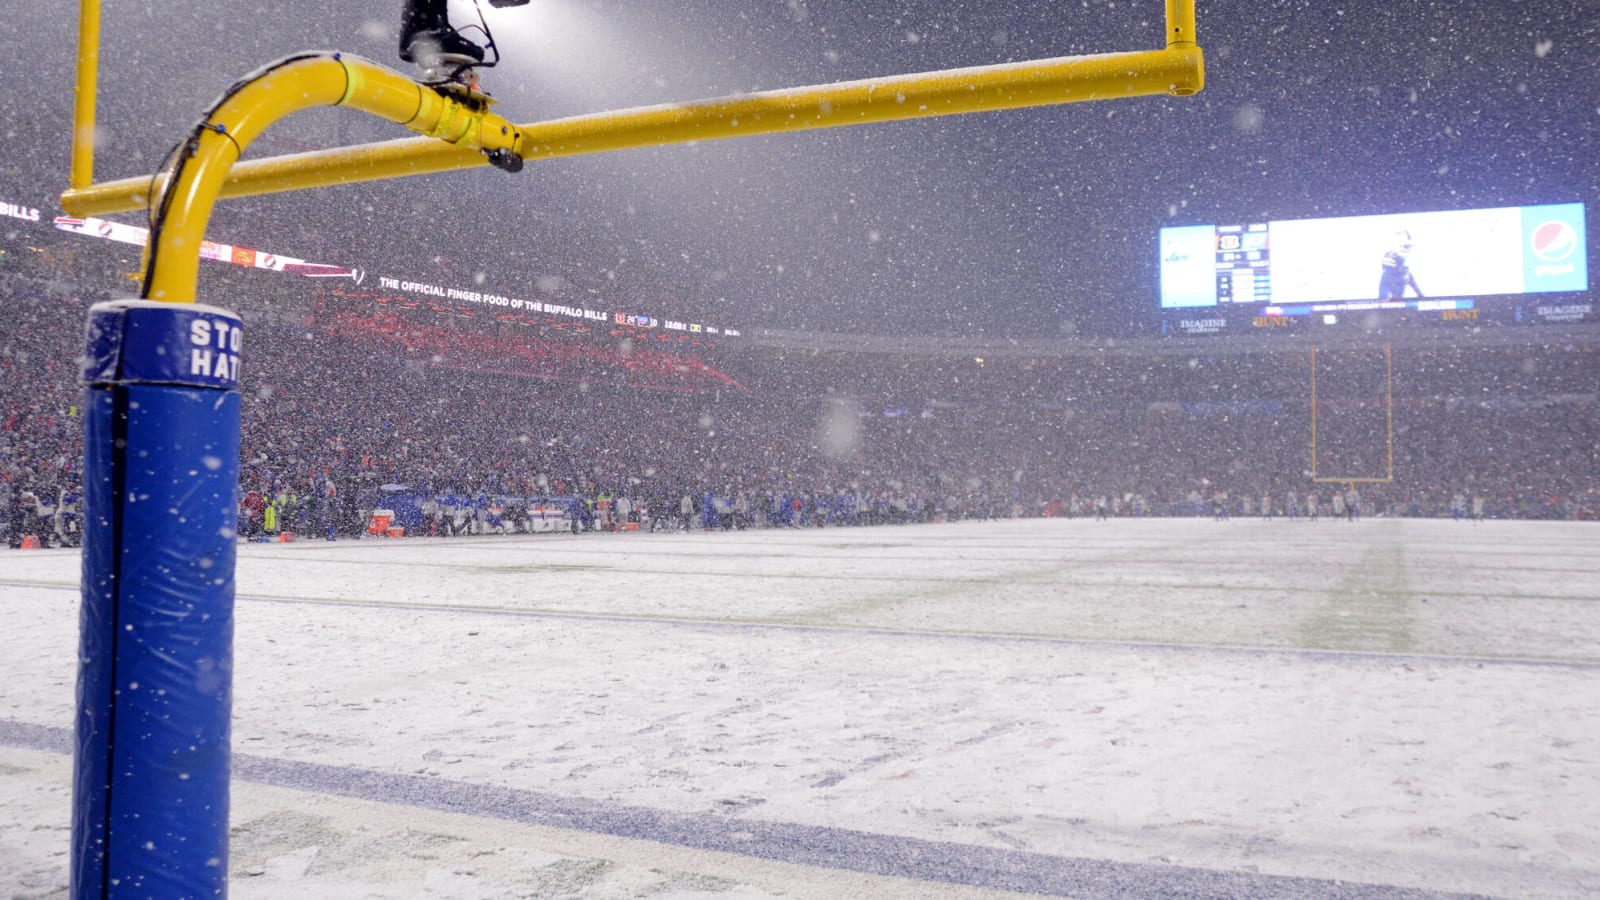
<point>1129,708</point>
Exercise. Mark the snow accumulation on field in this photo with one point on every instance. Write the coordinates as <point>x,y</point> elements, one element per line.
<point>1127,708</point>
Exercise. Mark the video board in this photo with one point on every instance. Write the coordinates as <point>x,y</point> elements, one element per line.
<point>1423,261</point>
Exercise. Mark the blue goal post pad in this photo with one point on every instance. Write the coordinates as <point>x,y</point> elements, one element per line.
<point>149,342</point>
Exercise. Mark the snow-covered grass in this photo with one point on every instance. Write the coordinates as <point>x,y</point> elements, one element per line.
<point>1406,703</point>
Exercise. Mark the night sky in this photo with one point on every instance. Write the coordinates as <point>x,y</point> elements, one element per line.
<point>1024,223</point>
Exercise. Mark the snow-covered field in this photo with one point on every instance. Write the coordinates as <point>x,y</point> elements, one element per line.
<point>1130,708</point>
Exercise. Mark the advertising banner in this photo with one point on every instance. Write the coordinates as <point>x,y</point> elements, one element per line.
<point>259,259</point>
<point>239,256</point>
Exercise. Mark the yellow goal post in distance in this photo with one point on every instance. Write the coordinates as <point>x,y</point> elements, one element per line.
<point>1388,408</point>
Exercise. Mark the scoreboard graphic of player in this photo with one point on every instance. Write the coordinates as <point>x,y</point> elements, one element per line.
<point>1423,261</point>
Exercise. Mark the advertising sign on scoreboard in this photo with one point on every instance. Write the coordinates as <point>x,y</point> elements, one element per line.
<point>1424,261</point>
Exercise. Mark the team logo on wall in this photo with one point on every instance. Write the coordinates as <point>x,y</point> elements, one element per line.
<point>18,211</point>
<point>1554,241</point>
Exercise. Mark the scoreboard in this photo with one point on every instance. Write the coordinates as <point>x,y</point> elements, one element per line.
<point>1244,271</point>
<point>1444,261</point>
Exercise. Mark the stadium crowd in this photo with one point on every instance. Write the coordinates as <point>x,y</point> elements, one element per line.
<point>480,430</point>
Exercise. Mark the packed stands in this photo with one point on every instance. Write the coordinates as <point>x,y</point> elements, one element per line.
<point>341,403</point>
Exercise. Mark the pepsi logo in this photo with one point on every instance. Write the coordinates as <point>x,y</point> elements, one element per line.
<point>1554,241</point>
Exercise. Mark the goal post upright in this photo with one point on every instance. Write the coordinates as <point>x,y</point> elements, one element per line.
<point>152,731</point>
<point>1388,387</point>
<point>85,95</point>
<point>162,432</point>
<point>1313,413</point>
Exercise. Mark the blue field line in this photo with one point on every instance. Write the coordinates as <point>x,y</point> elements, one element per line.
<point>807,845</point>
<point>1318,655</point>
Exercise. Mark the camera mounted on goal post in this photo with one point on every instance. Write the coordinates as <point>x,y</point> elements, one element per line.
<point>450,60</point>
<point>446,54</point>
